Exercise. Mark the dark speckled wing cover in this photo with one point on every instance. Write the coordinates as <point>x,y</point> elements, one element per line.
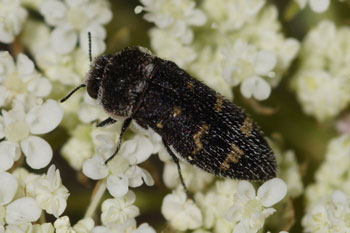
<point>203,127</point>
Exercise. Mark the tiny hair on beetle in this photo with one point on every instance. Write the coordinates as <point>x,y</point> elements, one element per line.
<point>196,124</point>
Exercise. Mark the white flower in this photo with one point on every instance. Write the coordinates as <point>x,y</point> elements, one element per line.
<point>144,228</point>
<point>334,172</point>
<point>95,168</point>
<point>329,214</point>
<point>195,178</point>
<point>317,6</point>
<point>232,14</point>
<point>176,16</point>
<point>322,82</point>
<point>43,228</point>
<point>73,20</point>
<point>250,209</point>
<point>79,146</point>
<point>67,69</point>
<point>12,17</point>
<point>62,225</point>
<point>8,187</point>
<point>244,63</point>
<point>167,46</point>
<point>90,111</point>
<point>50,193</point>
<point>123,169</point>
<point>181,212</point>
<point>19,124</point>
<point>22,210</point>
<point>20,79</point>
<point>119,210</point>
<point>19,228</point>
<point>215,203</point>
<point>26,182</point>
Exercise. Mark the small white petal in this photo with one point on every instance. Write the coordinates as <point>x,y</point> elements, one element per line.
<point>265,62</point>
<point>257,87</point>
<point>95,168</point>
<point>8,187</point>
<point>101,229</point>
<point>25,66</point>
<point>144,228</point>
<point>338,197</point>
<point>272,191</point>
<point>41,87</point>
<point>117,185</point>
<point>138,9</point>
<point>147,178</point>
<point>22,210</point>
<point>319,6</point>
<point>43,119</point>
<point>137,150</point>
<point>64,39</point>
<point>53,11</point>
<point>246,189</point>
<point>9,152</point>
<point>37,151</point>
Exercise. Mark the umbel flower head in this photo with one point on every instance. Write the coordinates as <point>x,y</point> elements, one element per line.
<point>20,127</point>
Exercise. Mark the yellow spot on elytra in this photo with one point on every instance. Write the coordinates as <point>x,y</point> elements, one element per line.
<point>190,85</point>
<point>219,102</point>
<point>247,127</point>
<point>197,138</point>
<point>233,156</point>
<point>159,125</point>
<point>177,111</point>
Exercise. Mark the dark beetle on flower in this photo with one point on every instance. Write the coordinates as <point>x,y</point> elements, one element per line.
<point>196,123</point>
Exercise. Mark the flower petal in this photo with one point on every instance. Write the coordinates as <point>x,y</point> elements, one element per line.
<point>43,119</point>
<point>272,191</point>
<point>95,168</point>
<point>9,152</point>
<point>64,39</point>
<point>22,210</point>
<point>25,66</point>
<point>37,151</point>
<point>41,87</point>
<point>265,62</point>
<point>54,11</point>
<point>319,6</point>
<point>117,185</point>
<point>246,190</point>
<point>8,187</point>
<point>137,150</point>
<point>257,87</point>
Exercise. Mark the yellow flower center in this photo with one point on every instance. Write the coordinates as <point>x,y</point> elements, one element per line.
<point>14,83</point>
<point>17,131</point>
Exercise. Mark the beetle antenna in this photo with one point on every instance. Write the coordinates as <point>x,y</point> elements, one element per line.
<point>90,54</point>
<point>72,92</point>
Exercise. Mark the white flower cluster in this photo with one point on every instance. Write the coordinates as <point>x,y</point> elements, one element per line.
<point>334,173</point>
<point>28,115</point>
<point>328,210</point>
<point>224,43</point>
<point>323,80</point>
<point>318,6</point>
<point>215,211</point>
<point>72,20</point>
<point>12,18</point>
<point>329,214</point>
<point>289,170</point>
<point>24,195</point>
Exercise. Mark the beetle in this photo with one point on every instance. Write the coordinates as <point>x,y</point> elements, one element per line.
<point>196,124</point>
